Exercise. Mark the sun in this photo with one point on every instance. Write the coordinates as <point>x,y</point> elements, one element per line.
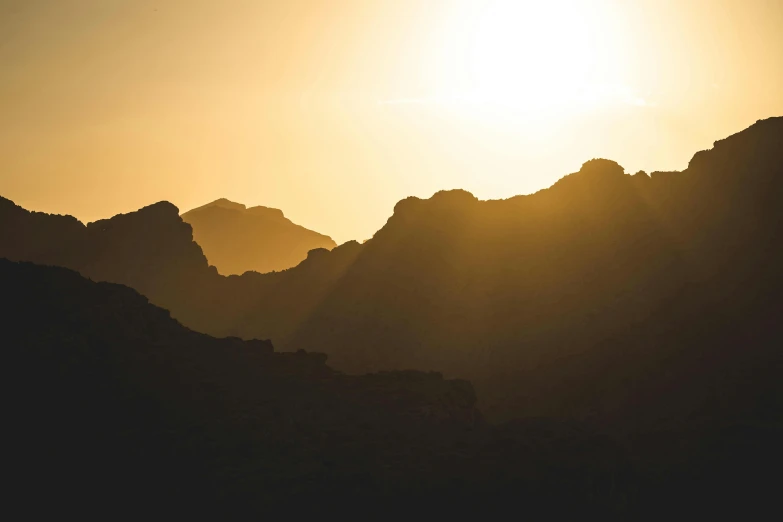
<point>533,52</point>
<point>539,55</point>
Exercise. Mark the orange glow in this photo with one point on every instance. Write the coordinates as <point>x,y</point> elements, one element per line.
<point>334,111</point>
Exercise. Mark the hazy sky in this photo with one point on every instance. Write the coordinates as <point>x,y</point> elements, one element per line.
<point>334,110</point>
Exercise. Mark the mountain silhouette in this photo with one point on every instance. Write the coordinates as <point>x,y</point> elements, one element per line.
<point>121,408</point>
<point>644,306</point>
<point>529,297</point>
<point>237,239</point>
<point>526,297</point>
<point>150,250</point>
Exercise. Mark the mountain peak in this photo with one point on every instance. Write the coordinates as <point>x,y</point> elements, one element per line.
<point>456,196</point>
<point>155,214</point>
<point>223,203</point>
<point>220,203</point>
<point>595,175</point>
<point>601,167</point>
<point>161,208</point>
<point>759,146</point>
<point>273,213</point>
<point>442,198</point>
<point>237,239</point>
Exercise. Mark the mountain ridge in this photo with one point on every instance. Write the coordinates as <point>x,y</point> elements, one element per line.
<point>238,239</point>
<point>471,287</point>
<point>645,307</point>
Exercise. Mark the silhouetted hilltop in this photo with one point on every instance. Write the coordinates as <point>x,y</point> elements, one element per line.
<point>46,238</point>
<point>514,294</point>
<point>150,250</point>
<point>540,299</point>
<point>237,239</point>
<point>119,407</point>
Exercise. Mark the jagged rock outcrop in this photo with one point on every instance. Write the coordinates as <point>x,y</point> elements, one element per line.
<point>48,239</point>
<point>151,250</point>
<point>237,239</point>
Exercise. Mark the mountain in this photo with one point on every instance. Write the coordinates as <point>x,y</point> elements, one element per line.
<point>237,239</point>
<point>538,299</point>
<point>151,250</point>
<point>643,306</point>
<point>117,408</point>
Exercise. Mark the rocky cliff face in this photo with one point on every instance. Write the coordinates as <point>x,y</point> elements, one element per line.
<point>48,239</point>
<point>150,250</point>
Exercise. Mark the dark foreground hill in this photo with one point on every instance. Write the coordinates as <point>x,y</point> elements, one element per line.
<point>237,239</point>
<point>115,408</point>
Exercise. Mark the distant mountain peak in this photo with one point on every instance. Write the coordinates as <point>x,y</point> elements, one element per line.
<point>221,203</point>
<point>237,239</point>
<point>266,211</point>
<point>224,203</point>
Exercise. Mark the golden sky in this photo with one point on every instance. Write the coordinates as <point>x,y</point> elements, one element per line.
<point>333,110</point>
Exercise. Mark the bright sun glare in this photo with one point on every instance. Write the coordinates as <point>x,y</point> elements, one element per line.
<point>540,56</point>
<point>528,51</point>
